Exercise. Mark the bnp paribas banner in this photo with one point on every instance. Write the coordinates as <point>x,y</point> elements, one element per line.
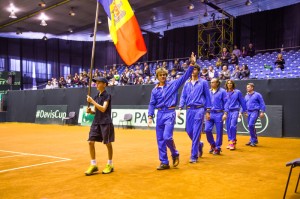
<point>270,125</point>
<point>50,114</point>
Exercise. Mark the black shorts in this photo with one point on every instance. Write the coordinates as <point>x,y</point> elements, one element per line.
<point>102,133</point>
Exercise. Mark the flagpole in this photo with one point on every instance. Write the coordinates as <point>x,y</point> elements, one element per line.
<point>93,51</point>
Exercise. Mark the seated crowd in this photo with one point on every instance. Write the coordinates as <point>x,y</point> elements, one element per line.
<point>226,67</point>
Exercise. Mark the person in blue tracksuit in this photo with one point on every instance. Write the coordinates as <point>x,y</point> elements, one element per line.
<point>256,108</point>
<point>164,97</point>
<point>195,95</point>
<point>218,100</point>
<point>234,100</point>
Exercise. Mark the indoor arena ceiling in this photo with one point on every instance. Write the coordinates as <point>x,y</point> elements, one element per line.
<point>153,16</point>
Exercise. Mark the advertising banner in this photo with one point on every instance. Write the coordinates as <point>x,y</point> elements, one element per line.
<point>50,114</point>
<point>270,125</point>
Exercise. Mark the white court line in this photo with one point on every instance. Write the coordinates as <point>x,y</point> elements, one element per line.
<point>11,156</point>
<point>33,165</point>
<point>48,156</point>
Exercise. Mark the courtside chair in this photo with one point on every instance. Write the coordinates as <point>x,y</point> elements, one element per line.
<point>70,119</point>
<point>127,119</point>
<point>293,164</point>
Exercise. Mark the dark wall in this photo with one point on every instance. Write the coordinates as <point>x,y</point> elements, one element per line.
<point>269,29</point>
<point>22,104</point>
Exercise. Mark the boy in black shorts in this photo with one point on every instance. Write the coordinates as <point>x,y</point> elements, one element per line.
<point>102,129</point>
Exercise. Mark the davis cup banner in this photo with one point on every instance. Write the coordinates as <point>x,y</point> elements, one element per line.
<point>50,114</point>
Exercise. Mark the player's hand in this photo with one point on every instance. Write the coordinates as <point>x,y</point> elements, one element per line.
<point>261,115</point>
<point>207,116</point>
<point>179,113</point>
<point>89,99</point>
<point>240,115</point>
<point>224,117</point>
<point>150,120</point>
<point>193,58</point>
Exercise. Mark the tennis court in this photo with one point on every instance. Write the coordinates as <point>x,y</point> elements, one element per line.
<point>48,161</point>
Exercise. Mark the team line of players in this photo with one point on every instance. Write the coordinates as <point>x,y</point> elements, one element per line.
<point>215,104</point>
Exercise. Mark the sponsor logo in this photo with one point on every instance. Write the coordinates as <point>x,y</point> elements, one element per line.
<point>260,125</point>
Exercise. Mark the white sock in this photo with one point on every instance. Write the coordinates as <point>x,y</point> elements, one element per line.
<point>93,162</point>
<point>109,162</point>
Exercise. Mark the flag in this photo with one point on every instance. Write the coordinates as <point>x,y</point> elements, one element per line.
<point>124,30</point>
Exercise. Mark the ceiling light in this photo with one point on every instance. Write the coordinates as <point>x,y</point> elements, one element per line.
<point>12,15</point>
<point>99,21</point>
<point>43,23</point>
<point>43,16</point>
<point>42,4</point>
<point>191,6</point>
<point>12,9</point>
<point>248,3</point>
<point>72,13</point>
<point>45,38</point>
<point>70,30</point>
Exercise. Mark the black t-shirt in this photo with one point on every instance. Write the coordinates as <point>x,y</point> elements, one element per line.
<point>100,117</point>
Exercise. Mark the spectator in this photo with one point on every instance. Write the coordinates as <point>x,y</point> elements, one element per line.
<point>172,75</point>
<point>184,66</point>
<point>225,73</point>
<point>76,81</point>
<point>96,73</point>
<point>124,79</point>
<point>164,65</point>
<point>49,85</point>
<point>177,66</point>
<point>146,69</point>
<point>245,72</point>
<point>138,70</point>
<point>140,80</point>
<point>112,82</point>
<point>62,82</point>
<point>225,56</point>
<point>148,80</point>
<point>251,50</point>
<point>279,63</point>
<point>236,51</point>
<point>244,52</point>
<point>236,73</point>
<point>234,60</point>
<point>110,75</point>
<point>54,83</point>
<point>69,81</point>
<point>218,63</point>
<point>212,73</point>
<point>204,74</point>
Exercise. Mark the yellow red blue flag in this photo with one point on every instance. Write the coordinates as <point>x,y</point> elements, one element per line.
<point>124,30</point>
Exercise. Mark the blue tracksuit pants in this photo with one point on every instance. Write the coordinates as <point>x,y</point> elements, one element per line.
<point>164,134</point>
<point>252,117</point>
<point>215,119</point>
<point>231,124</point>
<point>194,121</point>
